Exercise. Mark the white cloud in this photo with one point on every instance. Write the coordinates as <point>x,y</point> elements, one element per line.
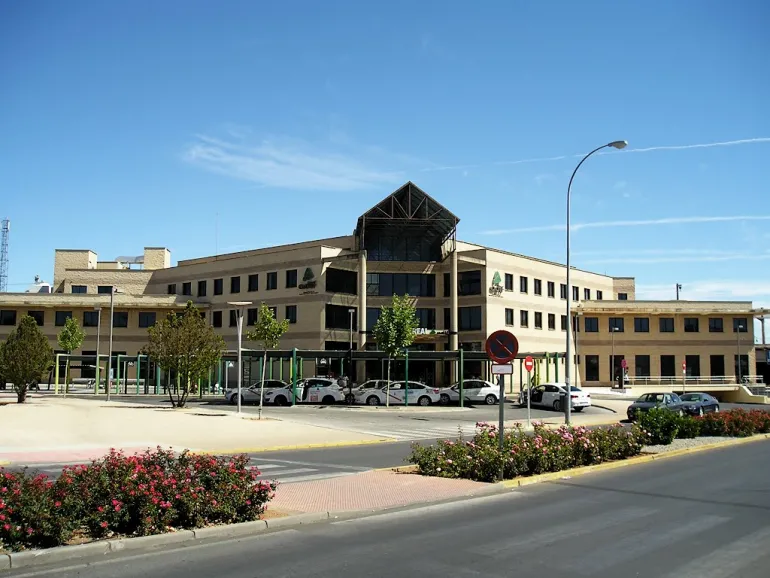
<point>640,223</point>
<point>678,259</point>
<point>289,164</point>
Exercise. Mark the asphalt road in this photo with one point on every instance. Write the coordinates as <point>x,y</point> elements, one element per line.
<point>699,516</point>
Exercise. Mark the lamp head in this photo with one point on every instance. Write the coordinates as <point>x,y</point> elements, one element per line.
<point>618,144</point>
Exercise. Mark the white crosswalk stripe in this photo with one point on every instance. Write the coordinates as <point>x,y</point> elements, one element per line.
<point>288,472</point>
<point>413,434</point>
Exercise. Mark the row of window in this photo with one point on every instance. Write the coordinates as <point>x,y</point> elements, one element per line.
<point>538,319</point>
<point>90,318</point>
<point>290,313</point>
<point>101,289</point>
<point>338,317</point>
<point>235,284</point>
<point>666,324</point>
<point>668,366</point>
<point>537,289</point>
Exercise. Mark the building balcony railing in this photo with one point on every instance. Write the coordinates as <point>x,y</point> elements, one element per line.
<point>747,380</point>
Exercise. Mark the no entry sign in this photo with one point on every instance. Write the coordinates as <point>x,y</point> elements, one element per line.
<point>623,363</point>
<point>502,347</point>
<point>529,363</point>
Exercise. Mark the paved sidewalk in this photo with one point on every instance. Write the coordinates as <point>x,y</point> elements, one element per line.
<point>373,490</point>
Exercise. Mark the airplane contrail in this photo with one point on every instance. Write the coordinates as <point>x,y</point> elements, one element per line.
<point>727,143</point>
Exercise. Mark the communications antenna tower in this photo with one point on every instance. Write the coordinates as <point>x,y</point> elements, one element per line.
<point>5,230</point>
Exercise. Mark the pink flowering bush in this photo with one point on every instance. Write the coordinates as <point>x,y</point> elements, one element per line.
<point>137,495</point>
<point>544,450</point>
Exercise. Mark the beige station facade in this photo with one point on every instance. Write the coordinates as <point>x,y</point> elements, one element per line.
<point>406,244</point>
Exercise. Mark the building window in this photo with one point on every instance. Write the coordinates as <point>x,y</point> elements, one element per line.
<point>691,325</point>
<point>272,281</point>
<point>744,369</point>
<point>538,289</point>
<point>523,283</point>
<point>219,286</point>
<point>508,282</point>
<point>740,325</point>
<point>338,281</point>
<point>397,247</point>
<point>291,278</point>
<point>562,291</point>
<point>146,318</point>
<point>107,289</point>
<point>552,321</point>
<point>413,284</point>
<point>642,365</point>
<point>523,318</point>
<point>447,284</point>
<point>575,293</point>
<point>216,318</point>
<point>469,283</point>
<point>447,317</point>
<point>187,288</point>
<point>591,324</point>
<point>90,318</point>
<point>80,289</point>
<point>8,317</point>
<point>716,325</point>
<point>641,324</point>
<point>564,323</point>
<point>599,295</point>
<point>426,317</point>
<point>667,366</point>
<point>291,313</point>
<point>254,282</point>
<point>61,318</point>
<point>171,289</point>
<point>587,294</point>
<point>373,315</point>
<point>202,287</point>
<point>692,365</point>
<point>592,368</point>
<point>509,317</point>
<point>616,324</point>
<point>538,320</point>
<point>233,318</point>
<point>470,318</point>
<point>622,296</point>
<point>38,316</point>
<point>251,316</point>
<point>666,324</point>
<point>235,284</point>
<point>337,317</point>
<point>120,319</point>
<point>717,365</point>
<point>551,289</point>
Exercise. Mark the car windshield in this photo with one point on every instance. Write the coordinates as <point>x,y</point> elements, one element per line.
<point>573,388</point>
<point>690,397</point>
<point>651,398</point>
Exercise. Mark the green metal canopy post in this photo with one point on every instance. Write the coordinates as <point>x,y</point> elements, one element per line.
<point>556,367</point>
<point>406,377</point>
<point>462,378</point>
<point>138,371</point>
<point>294,376</point>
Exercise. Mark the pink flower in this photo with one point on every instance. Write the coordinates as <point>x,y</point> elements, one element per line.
<point>7,527</point>
<point>103,524</point>
<point>117,508</point>
<point>99,509</point>
<point>57,504</point>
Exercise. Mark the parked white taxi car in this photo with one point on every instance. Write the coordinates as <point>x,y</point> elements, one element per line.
<point>251,394</point>
<point>418,393</point>
<point>474,391</point>
<point>310,390</point>
<point>552,395</point>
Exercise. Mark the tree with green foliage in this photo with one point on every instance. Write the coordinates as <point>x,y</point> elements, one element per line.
<point>394,330</point>
<point>187,345</point>
<point>70,338</point>
<point>267,331</point>
<point>24,356</point>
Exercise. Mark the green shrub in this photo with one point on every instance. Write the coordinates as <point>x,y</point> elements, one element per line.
<point>736,422</point>
<point>661,426</point>
<point>689,427</point>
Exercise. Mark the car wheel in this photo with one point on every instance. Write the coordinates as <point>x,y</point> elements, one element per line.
<point>578,409</point>
<point>700,411</point>
<point>233,400</point>
<point>424,401</point>
<point>445,399</point>
<point>327,400</point>
<point>490,399</point>
<point>280,400</point>
<point>557,405</point>
<point>372,400</point>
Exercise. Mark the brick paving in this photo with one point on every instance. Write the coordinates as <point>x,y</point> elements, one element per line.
<point>370,491</point>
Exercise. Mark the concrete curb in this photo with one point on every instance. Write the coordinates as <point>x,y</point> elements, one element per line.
<point>293,447</point>
<point>398,469</point>
<point>645,458</point>
<point>5,562</point>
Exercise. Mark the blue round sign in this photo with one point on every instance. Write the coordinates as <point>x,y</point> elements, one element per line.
<point>502,346</point>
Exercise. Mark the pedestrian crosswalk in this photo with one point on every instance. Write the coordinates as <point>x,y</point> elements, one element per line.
<point>416,431</point>
<point>288,472</point>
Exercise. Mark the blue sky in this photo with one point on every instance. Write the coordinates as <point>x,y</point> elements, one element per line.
<point>127,124</point>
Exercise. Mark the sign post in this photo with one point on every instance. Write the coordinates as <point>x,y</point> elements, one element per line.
<point>529,365</point>
<point>684,376</point>
<point>502,347</point>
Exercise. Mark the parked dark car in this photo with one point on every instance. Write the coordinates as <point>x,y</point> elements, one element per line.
<point>699,403</point>
<point>646,402</point>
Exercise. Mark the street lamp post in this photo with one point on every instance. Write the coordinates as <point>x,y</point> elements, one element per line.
<point>612,355</point>
<point>618,144</point>
<point>98,341</point>
<point>578,315</point>
<point>113,290</point>
<point>351,312</point>
<point>239,305</point>
<point>738,357</point>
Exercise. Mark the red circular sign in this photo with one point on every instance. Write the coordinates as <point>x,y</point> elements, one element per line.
<point>502,346</point>
<point>623,363</point>
<point>684,366</point>
<point>529,363</point>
